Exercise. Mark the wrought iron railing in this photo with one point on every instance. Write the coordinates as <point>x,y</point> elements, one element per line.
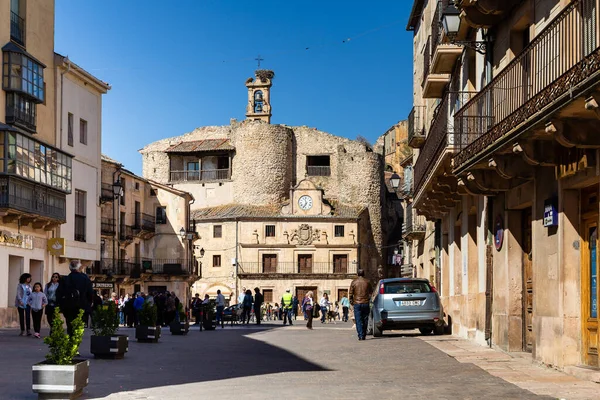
<point>168,266</point>
<point>106,192</point>
<point>291,267</point>
<point>144,222</point>
<point>21,112</point>
<point>201,175</point>
<point>17,28</point>
<point>125,232</point>
<point>413,224</point>
<point>315,170</point>
<point>426,60</point>
<point>134,268</point>
<point>561,57</point>
<point>107,226</point>
<point>31,198</point>
<point>441,135</point>
<point>436,26</point>
<point>416,123</point>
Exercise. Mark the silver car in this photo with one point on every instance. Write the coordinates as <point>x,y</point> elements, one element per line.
<point>406,303</point>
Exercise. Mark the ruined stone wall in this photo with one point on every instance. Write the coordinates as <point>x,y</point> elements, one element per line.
<point>261,172</point>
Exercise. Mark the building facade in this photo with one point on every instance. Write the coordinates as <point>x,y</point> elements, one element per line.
<point>506,172</point>
<point>147,239</point>
<point>254,227</point>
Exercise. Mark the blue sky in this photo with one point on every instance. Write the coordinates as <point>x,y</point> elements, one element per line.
<point>178,65</point>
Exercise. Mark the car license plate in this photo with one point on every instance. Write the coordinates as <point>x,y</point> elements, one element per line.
<point>410,302</point>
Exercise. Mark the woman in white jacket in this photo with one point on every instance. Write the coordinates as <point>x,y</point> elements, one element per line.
<point>324,304</point>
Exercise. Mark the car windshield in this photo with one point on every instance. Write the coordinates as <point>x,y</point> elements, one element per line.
<point>406,287</point>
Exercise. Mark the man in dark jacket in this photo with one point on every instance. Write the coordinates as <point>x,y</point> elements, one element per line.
<point>360,295</point>
<point>74,293</point>
<point>258,301</point>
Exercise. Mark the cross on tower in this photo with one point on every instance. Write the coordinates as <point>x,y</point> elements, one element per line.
<point>259,59</point>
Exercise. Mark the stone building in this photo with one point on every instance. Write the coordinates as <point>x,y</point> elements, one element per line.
<point>507,171</point>
<point>275,206</point>
<point>147,240</point>
<point>40,173</point>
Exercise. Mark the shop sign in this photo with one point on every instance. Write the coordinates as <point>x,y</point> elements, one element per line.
<point>11,240</point>
<point>103,285</point>
<point>550,212</point>
<point>56,246</point>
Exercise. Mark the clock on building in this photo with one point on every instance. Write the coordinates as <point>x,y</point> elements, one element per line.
<point>305,202</point>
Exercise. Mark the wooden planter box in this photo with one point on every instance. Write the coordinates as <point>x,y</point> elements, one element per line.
<point>114,346</point>
<point>148,334</point>
<point>179,328</point>
<point>52,381</point>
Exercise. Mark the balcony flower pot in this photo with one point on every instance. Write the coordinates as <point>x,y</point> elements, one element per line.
<point>105,342</point>
<point>61,376</point>
<point>147,334</point>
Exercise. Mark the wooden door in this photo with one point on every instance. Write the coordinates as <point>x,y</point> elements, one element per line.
<point>269,263</point>
<point>589,292</point>
<point>305,263</point>
<point>527,281</point>
<point>267,295</point>
<point>340,264</point>
<point>341,293</point>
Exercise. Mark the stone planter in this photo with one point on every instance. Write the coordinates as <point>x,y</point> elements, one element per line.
<point>148,334</point>
<point>52,381</point>
<point>114,346</point>
<point>179,328</point>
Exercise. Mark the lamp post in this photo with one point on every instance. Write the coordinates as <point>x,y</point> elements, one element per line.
<point>451,26</point>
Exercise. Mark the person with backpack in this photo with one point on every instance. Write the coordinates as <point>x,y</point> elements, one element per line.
<point>74,293</point>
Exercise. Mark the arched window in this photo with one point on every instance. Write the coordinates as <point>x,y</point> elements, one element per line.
<point>258,101</point>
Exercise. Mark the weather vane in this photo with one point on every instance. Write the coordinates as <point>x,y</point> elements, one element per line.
<point>259,59</point>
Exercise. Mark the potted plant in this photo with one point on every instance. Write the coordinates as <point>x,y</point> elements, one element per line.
<point>105,343</point>
<point>62,375</point>
<point>180,326</point>
<point>147,331</point>
<point>209,316</point>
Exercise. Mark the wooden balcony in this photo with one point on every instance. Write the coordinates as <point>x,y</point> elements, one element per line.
<point>549,91</point>
<point>416,127</point>
<point>206,175</point>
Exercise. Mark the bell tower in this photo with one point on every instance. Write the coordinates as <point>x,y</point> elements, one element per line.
<point>259,95</point>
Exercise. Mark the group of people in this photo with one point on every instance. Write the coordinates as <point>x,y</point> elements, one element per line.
<point>130,306</point>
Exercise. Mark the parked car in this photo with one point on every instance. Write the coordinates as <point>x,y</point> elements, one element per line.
<point>406,303</point>
<point>233,310</point>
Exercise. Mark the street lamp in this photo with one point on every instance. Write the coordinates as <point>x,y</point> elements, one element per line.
<point>182,233</point>
<point>117,189</point>
<point>395,181</point>
<point>202,252</point>
<point>451,27</point>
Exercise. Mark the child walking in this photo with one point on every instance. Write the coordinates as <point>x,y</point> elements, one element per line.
<point>37,301</point>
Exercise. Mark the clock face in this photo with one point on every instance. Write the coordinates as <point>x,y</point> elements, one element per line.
<point>305,202</point>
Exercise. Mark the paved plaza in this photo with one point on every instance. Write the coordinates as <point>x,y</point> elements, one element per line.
<point>283,362</point>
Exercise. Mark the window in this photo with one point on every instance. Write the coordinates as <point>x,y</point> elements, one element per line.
<point>340,264</point>
<point>17,23</point>
<point>318,166</point>
<point>339,231</point>
<point>269,262</point>
<point>137,215</point>
<point>124,186</point>
<point>83,131</point>
<point>80,214</point>
<point>217,231</point>
<point>137,186</point>
<point>216,261</point>
<point>152,192</point>
<point>161,215</point>
<point>270,230</point>
<point>193,171</point>
<point>70,129</point>
<point>20,111</point>
<point>20,73</point>
<point>407,287</point>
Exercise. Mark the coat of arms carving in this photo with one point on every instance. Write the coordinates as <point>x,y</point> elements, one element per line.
<point>305,234</point>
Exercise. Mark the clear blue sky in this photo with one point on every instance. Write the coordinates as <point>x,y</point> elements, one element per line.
<point>178,65</point>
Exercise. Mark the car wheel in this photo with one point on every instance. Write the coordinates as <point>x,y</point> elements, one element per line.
<point>370,325</point>
<point>425,331</point>
<point>376,331</point>
<point>439,330</point>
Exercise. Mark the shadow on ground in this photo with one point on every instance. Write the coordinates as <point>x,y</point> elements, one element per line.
<point>198,357</point>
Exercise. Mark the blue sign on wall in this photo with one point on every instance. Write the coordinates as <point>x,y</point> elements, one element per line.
<point>551,212</point>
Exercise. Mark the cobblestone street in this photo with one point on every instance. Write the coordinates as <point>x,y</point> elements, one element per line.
<point>277,362</point>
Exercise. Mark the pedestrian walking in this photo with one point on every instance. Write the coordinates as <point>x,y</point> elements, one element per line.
<point>170,309</point>
<point>295,304</point>
<point>360,292</point>
<point>287,302</point>
<point>247,307</point>
<point>241,296</point>
<point>196,305</point>
<point>220,302</point>
<point>345,303</point>
<point>50,292</point>
<point>258,302</point>
<point>324,304</point>
<point>23,293</point>
<point>74,293</point>
<point>37,301</point>
<point>307,308</point>
<point>138,304</point>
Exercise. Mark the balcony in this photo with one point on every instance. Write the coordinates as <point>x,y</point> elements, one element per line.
<point>416,127</point>
<point>17,29</point>
<point>443,53</point>
<point>206,175</point>
<point>559,68</point>
<point>107,226</point>
<point>414,225</point>
<point>486,13</point>
<point>318,170</point>
<point>31,202</point>
<point>144,226</point>
<point>173,266</point>
<point>441,138</point>
<point>106,193</point>
<point>325,269</point>
<point>126,233</point>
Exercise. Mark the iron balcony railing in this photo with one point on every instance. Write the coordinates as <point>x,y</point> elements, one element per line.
<point>291,267</point>
<point>135,268</point>
<point>414,224</point>
<point>126,232</point>
<point>31,198</point>
<point>107,192</point>
<point>426,60</point>
<point>144,222</point>
<point>436,26</point>
<point>21,112</point>
<point>441,135</point>
<point>316,170</point>
<point>416,125</point>
<point>107,226</point>
<point>168,266</point>
<point>201,175</point>
<point>17,28</point>
<point>558,59</point>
